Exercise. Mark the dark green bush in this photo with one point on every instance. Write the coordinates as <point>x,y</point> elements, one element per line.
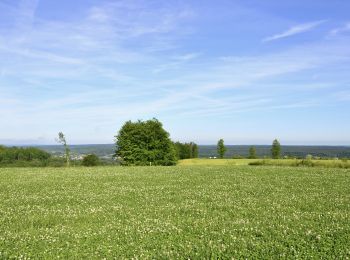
<point>91,160</point>
<point>257,163</point>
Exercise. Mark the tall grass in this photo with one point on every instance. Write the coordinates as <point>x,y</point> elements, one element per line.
<point>345,164</point>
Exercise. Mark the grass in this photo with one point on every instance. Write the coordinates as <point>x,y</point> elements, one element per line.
<point>214,162</point>
<point>174,212</point>
<point>345,164</point>
<point>270,162</point>
<point>208,162</point>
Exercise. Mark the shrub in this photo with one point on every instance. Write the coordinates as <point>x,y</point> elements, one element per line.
<point>145,143</point>
<point>56,162</point>
<point>257,163</point>
<point>90,160</point>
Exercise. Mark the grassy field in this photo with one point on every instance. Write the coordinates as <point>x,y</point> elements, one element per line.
<point>274,162</point>
<point>175,212</point>
<point>213,162</point>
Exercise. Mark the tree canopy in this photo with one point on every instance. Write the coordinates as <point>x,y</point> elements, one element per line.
<point>186,150</point>
<point>276,149</point>
<point>10,155</point>
<point>144,143</point>
<point>90,160</point>
<point>221,148</point>
<point>252,152</point>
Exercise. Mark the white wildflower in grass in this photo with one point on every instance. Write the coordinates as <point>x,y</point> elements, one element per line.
<point>174,213</point>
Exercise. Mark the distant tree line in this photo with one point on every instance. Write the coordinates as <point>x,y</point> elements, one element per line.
<point>23,155</point>
<point>12,154</point>
<point>35,157</point>
<point>275,150</point>
<point>136,143</point>
<point>186,150</point>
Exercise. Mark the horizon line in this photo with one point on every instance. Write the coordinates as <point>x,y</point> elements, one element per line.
<point>26,145</point>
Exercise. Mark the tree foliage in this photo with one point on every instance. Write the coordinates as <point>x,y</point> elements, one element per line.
<point>91,160</point>
<point>276,149</point>
<point>62,140</point>
<point>15,155</point>
<point>144,143</point>
<point>252,152</point>
<point>221,148</point>
<point>186,150</point>
<point>195,151</point>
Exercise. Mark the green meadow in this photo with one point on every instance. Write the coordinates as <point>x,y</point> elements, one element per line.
<point>215,162</point>
<point>329,163</point>
<point>200,211</point>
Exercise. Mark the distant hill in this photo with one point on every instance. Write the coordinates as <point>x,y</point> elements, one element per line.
<point>107,150</point>
<point>101,150</point>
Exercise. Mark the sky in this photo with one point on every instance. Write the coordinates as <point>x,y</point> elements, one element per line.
<point>247,71</point>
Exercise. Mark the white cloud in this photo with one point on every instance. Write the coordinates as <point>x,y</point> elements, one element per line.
<point>345,28</point>
<point>301,28</point>
<point>124,61</point>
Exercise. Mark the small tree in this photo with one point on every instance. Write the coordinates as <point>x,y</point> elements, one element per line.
<point>62,140</point>
<point>90,160</point>
<point>252,152</point>
<point>276,149</point>
<point>221,148</point>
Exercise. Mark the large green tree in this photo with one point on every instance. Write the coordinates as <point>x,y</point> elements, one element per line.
<point>144,143</point>
<point>276,149</point>
<point>221,149</point>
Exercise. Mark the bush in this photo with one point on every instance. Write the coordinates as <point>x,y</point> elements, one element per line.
<point>257,163</point>
<point>91,160</point>
<point>145,143</point>
<point>55,162</point>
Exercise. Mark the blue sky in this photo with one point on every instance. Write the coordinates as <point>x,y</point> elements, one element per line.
<point>246,71</point>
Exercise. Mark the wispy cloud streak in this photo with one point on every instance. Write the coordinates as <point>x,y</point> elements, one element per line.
<point>301,28</point>
<point>121,60</point>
